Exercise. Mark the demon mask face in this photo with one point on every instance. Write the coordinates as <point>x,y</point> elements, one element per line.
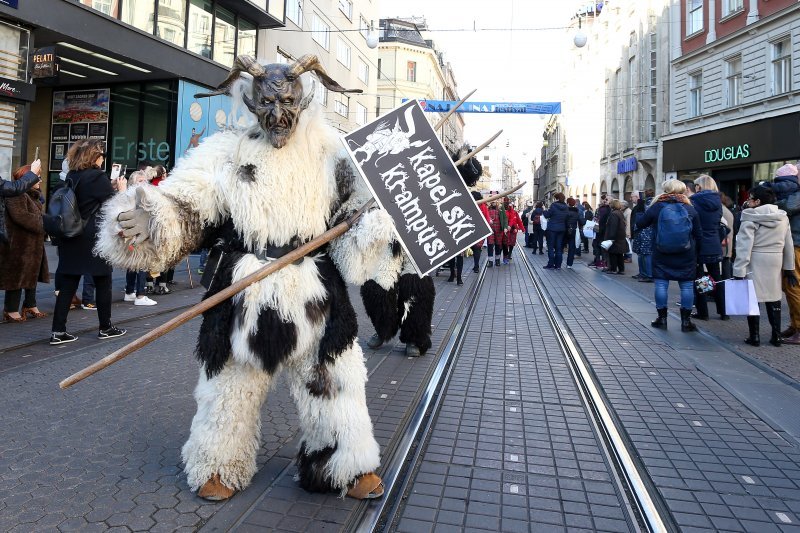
<point>277,95</point>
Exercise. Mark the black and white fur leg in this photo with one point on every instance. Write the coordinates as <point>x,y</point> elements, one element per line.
<point>381,306</point>
<point>416,298</point>
<point>226,430</point>
<point>338,444</point>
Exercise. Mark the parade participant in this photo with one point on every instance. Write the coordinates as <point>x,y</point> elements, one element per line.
<point>399,299</point>
<point>230,192</point>
<point>499,224</point>
<point>514,225</point>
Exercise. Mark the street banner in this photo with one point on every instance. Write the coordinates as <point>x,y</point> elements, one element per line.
<point>413,178</point>
<point>530,108</point>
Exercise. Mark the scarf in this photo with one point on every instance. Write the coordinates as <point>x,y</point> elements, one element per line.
<point>674,198</point>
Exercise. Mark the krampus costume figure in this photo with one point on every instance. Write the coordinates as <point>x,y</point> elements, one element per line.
<point>240,190</point>
<point>397,298</point>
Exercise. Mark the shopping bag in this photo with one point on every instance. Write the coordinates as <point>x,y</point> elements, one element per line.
<point>543,222</point>
<point>588,229</point>
<point>630,248</point>
<point>740,298</point>
<point>578,240</point>
<point>606,244</point>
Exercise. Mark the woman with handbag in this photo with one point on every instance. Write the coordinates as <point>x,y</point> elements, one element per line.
<point>764,247</point>
<point>23,262</point>
<point>76,256</point>
<point>616,233</point>
<point>708,204</point>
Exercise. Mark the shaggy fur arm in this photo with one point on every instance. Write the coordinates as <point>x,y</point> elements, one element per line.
<point>174,231</point>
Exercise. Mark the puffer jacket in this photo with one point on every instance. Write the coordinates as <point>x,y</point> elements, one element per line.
<point>708,205</point>
<point>680,266</point>
<point>791,205</point>
<point>783,186</point>
<point>13,188</point>
<point>557,217</point>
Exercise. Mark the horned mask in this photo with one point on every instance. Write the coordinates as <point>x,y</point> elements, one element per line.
<point>277,95</point>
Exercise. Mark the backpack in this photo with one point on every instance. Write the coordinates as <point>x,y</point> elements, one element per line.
<point>674,230</point>
<point>63,218</point>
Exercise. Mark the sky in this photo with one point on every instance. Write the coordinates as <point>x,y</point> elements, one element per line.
<point>512,64</point>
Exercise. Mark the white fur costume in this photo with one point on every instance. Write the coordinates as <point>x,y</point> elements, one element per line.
<point>288,320</point>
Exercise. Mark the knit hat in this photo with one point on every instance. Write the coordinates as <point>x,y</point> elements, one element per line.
<point>786,170</point>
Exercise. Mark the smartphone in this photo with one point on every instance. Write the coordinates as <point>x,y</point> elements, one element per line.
<point>115,171</point>
<point>36,154</point>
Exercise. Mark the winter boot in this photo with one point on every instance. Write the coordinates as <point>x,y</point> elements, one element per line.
<point>686,320</point>
<point>661,321</point>
<point>752,324</point>
<point>774,317</point>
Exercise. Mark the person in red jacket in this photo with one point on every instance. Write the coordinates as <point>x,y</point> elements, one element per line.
<point>510,234</point>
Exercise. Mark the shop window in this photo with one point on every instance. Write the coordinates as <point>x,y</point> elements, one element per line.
<point>201,16</point>
<point>695,94</point>
<point>781,66</point>
<point>321,32</point>
<point>139,14</point>
<point>411,71</point>
<point>246,43</point>
<point>694,16</point>
<point>109,7</point>
<point>172,21</point>
<point>224,37</point>
<point>294,11</point>
<point>733,81</point>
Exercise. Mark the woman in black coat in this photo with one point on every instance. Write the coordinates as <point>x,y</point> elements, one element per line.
<point>678,266</point>
<point>708,204</point>
<point>76,256</point>
<point>615,232</point>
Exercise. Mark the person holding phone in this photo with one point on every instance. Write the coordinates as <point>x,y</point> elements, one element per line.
<point>9,189</point>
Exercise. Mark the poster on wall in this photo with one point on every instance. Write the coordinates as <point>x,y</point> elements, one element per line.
<point>77,115</point>
<point>198,118</point>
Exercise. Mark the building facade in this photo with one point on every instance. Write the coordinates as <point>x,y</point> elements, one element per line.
<point>635,37</point>
<point>410,67</point>
<point>123,72</point>
<point>553,169</point>
<point>735,91</point>
<point>336,31</point>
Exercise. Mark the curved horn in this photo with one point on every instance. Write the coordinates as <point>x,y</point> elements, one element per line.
<point>240,64</point>
<point>310,62</point>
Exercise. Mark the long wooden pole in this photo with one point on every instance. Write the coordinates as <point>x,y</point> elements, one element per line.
<point>217,298</point>
<point>502,194</point>
<point>478,149</point>
<point>453,110</point>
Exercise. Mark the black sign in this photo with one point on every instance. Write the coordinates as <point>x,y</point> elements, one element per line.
<point>78,132</point>
<point>60,133</point>
<point>44,63</point>
<point>413,178</point>
<point>760,141</point>
<point>98,130</point>
<point>17,89</point>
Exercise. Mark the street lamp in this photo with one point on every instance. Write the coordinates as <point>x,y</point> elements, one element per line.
<point>372,36</point>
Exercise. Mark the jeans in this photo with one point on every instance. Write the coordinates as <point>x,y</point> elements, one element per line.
<point>555,248</point>
<point>13,298</point>
<point>203,257</point>
<point>87,296</point>
<point>69,284</point>
<point>571,249</point>
<point>645,265</point>
<point>687,293</point>
<point>135,281</point>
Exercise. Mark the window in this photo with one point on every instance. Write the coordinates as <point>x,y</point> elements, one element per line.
<point>363,26</point>
<point>109,7</point>
<point>363,71</point>
<point>653,86</point>
<point>781,66</point>
<point>246,40</point>
<point>201,15</point>
<point>224,37</point>
<point>411,71</point>
<point>361,115</point>
<point>139,14</point>
<point>346,7</point>
<point>321,94</point>
<point>343,53</point>
<point>695,94</point>
<point>379,68</point>
<point>321,32</point>
<point>340,107</point>
<point>733,81</point>
<point>731,6</point>
<point>171,21</point>
<point>694,16</point>
<point>294,11</point>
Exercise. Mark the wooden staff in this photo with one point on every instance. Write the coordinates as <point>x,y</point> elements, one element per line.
<point>502,194</point>
<point>453,110</point>
<point>217,298</point>
<point>478,149</point>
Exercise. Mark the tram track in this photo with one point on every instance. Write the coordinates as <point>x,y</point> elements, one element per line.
<point>644,506</point>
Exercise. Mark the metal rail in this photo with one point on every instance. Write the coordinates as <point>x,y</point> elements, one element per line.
<point>647,507</point>
<point>379,515</point>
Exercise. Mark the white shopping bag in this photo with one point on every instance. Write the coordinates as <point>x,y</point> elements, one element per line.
<point>588,229</point>
<point>740,297</point>
<point>543,222</point>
